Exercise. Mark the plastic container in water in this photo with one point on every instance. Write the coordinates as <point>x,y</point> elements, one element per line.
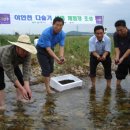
<point>65,82</point>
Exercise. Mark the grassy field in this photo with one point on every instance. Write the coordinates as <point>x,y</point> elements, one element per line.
<point>4,39</point>
<point>76,49</point>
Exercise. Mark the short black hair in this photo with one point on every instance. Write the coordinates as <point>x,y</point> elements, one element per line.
<point>120,23</point>
<point>59,19</point>
<point>36,37</point>
<point>98,27</point>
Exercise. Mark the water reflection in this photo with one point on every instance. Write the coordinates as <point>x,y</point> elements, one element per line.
<point>49,106</point>
<point>50,118</point>
<point>19,121</point>
<point>49,114</point>
<point>99,109</point>
<point>123,108</point>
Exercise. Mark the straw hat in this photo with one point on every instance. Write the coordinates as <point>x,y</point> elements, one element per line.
<point>25,43</point>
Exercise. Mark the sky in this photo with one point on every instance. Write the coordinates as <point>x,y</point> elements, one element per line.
<point>112,10</point>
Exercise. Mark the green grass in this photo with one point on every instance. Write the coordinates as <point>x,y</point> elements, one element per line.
<point>77,52</point>
<point>4,39</point>
<point>76,49</point>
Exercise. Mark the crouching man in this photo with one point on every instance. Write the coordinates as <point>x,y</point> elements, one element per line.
<point>11,56</point>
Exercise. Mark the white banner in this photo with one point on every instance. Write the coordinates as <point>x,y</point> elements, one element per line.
<point>47,19</point>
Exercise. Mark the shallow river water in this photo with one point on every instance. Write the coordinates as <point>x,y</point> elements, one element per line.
<point>82,108</point>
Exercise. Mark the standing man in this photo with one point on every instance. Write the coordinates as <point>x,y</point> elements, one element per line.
<point>45,47</point>
<point>122,50</point>
<point>100,48</point>
<point>10,57</point>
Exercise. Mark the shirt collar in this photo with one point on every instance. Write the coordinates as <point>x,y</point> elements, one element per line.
<point>103,40</point>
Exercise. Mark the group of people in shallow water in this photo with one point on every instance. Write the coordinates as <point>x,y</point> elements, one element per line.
<point>100,48</point>
<point>19,52</point>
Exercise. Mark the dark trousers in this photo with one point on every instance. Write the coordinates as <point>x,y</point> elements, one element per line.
<point>123,69</point>
<point>46,61</point>
<point>106,64</point>
<point>18,74</point>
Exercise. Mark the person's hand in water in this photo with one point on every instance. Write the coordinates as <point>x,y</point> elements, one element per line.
<point>28,90</point>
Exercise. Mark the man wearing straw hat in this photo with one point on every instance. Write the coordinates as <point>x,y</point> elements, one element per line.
<point>10,57</point>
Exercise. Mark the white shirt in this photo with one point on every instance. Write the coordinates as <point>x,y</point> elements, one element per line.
<point>100,47</point>
<point>35,42</point>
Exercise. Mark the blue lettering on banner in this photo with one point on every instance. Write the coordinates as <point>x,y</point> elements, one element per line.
<point>39,18</point>
<point>49,17</point>
<point>44,18</point>
<point>29,17</point>
<point>17,17</point>
<point>23,17</point>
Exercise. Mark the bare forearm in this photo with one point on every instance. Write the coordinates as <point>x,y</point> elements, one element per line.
<point>117,53</point>
<point>61,52</point>
<point>127,53</point>
<point>51,53</point>
<point>105,54</point>
<point>18,85</point>
<point>95,54</point>
<point>26,83</point>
